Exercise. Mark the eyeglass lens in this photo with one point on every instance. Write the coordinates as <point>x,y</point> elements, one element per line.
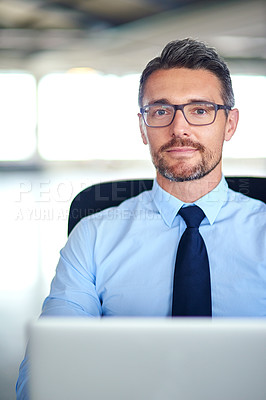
<point>195,113</point>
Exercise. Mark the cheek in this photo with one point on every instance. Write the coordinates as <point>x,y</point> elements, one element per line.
<point>156,138</point>
<point>155,142</point>
<point>213,140</point>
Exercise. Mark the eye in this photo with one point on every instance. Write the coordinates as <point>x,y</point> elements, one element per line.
<point>200,110</point>
<point>160,112</point>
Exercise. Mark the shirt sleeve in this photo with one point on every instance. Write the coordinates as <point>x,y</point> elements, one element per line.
<point>22,386</point>
<point>73,291</point>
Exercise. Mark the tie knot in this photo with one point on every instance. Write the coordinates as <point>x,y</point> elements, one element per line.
<point>192,215</point>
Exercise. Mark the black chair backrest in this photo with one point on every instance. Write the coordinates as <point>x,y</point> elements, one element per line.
<point>109,194</point>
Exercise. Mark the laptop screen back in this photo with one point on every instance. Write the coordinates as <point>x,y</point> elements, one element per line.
<point>157,359</point>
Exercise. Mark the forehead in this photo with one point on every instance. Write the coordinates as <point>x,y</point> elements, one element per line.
<point>180,85</point>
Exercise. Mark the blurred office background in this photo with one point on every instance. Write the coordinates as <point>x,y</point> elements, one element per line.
<point>69,72</point>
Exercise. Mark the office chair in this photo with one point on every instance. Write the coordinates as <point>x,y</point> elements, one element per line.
<point>109,194</point>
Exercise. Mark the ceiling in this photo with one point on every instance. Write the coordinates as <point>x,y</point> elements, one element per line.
<point>120,36</point>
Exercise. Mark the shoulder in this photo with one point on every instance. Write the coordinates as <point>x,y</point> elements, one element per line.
<point>245,211</point>
<point>247,204</point>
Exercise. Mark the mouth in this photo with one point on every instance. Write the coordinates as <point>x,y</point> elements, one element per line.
<point>182,145</point>
<point>182,150</point>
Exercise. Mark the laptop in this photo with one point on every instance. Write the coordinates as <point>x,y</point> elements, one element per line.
<point>151,359</point>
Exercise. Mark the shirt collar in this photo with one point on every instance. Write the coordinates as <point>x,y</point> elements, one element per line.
<point>168,205</point>
<point>213,201</point>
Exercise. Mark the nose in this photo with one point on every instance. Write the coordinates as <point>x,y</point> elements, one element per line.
<point>180,126</point>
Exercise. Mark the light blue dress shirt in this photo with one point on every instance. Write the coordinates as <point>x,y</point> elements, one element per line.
<point>120,262</point>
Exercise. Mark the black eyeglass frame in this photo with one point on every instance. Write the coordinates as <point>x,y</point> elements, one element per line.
<point>181,108</point>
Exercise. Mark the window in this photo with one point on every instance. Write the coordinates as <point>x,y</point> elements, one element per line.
<point>89,116</point>
<point>249,140</point>
<point>18,116</point>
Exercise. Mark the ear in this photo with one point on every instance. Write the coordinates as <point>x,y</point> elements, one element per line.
<point>231,124</point>
<point>142,128</point>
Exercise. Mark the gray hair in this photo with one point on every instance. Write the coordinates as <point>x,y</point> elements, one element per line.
<point>191,54</point>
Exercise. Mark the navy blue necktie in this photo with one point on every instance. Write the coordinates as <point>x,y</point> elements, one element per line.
<point>192,286</point>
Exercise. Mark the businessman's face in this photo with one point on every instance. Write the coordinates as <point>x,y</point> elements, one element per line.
<point>182,151</point>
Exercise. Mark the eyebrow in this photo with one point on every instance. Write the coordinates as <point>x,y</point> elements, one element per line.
<point>165,101</point>
<point>159,101</point>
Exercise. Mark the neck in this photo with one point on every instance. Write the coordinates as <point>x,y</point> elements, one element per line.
<point>190,191</point>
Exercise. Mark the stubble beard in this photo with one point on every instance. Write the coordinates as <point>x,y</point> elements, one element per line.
<point>181,171</point>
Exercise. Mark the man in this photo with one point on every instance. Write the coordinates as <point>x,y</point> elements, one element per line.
<point>126,261</point>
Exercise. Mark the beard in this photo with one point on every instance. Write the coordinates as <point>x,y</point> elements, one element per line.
<point>182,171</point>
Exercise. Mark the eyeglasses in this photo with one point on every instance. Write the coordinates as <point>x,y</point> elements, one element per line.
<point>196,113</point>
